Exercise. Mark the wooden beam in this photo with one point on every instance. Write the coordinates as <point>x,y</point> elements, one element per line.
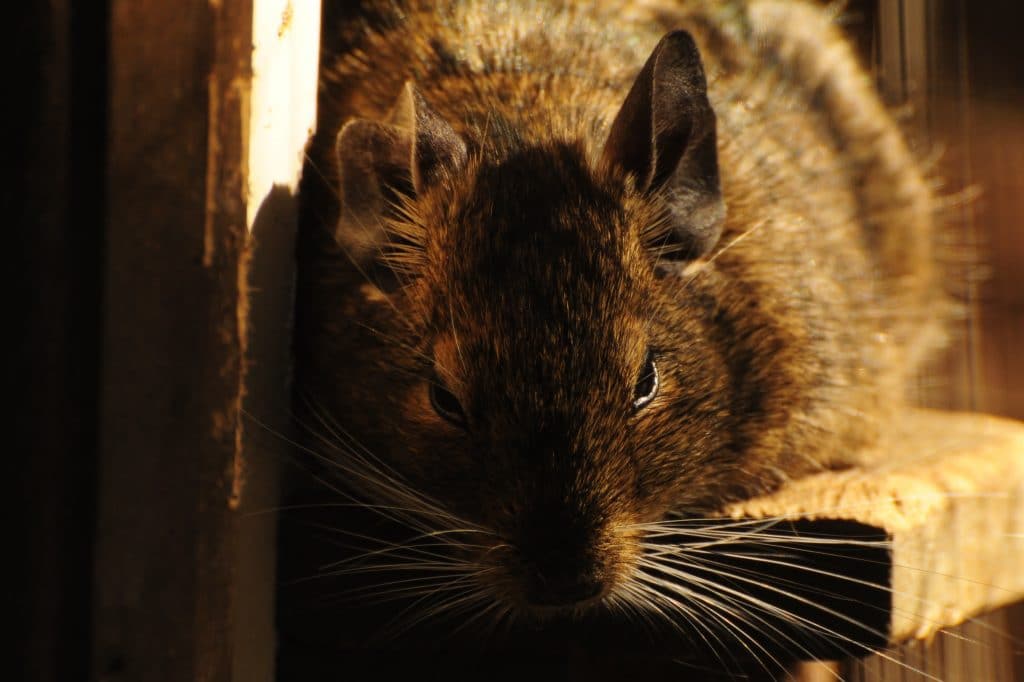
<point>173,340</point>
<point>948,490</point>
<point>210,108</point>
<point>282,115</point>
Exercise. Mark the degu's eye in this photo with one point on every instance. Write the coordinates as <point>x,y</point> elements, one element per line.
<point>646,384</point>
<point>445,403</point>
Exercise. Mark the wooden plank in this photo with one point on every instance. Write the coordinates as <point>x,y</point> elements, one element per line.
<point>173,339</point>
<point>948,489</point>
<point>282,114</point>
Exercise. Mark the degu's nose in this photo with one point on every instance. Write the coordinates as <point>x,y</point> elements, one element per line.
<point>559,579</point>
<point>561,563</point>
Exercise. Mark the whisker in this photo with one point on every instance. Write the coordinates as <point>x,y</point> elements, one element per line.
<point>719,587</point>
<point>711,604</point>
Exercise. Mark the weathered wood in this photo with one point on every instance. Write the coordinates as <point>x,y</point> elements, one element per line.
<point>282,114</point>
<point>948,489</point>
<point>210,108</point>
<point>173,340</point>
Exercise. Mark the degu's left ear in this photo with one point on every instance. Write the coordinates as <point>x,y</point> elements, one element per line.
<point>379,160</point>
<point>664,136</point>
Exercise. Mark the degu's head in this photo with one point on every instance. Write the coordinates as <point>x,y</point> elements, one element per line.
<point>532,368</point>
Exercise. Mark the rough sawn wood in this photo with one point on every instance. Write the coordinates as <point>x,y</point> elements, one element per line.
<point>948,489</point>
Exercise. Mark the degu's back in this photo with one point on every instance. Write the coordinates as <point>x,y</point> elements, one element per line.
<point>571,269</point>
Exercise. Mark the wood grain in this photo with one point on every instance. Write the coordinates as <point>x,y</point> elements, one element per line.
<point>948,489</point>
<point>172,340</point>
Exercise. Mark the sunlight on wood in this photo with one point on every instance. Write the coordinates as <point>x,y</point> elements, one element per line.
<point>949,490</point>
<point>286,40</point>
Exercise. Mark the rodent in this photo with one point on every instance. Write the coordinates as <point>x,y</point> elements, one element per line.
<point>574,268</point>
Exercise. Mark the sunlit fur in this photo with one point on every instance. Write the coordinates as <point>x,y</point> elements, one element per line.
<point>529,285</point>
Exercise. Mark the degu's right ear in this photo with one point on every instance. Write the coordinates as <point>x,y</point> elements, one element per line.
<point>380,160</point>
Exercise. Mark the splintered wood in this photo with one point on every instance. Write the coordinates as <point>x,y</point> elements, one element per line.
<point>948,489</point>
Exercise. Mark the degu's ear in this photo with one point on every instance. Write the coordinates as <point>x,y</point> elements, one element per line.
<point>664,136</point>
<point>380,160</point>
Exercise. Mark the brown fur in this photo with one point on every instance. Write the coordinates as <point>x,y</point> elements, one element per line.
<point>528,280</point>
